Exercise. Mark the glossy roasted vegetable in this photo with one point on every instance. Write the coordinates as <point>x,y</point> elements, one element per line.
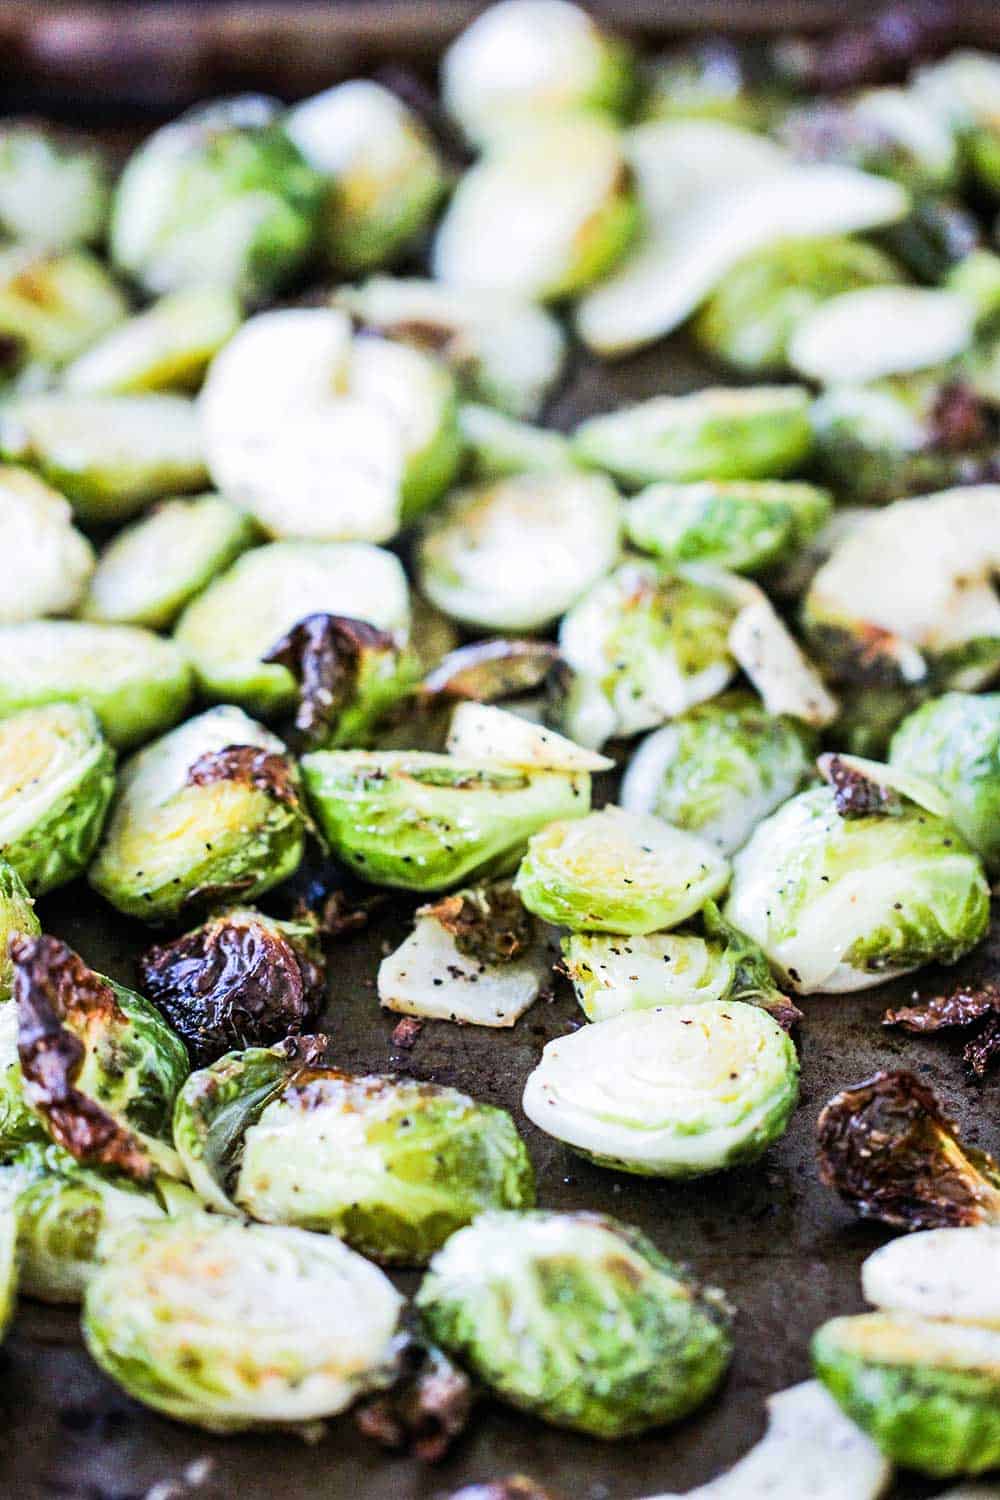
<point>17,914</point>
<point>954,741</point>
<point>167,347</point>
<point>54,561</point>
<point>205,814</point>
<point>484,732</point>
<point>52,306</point>
<point>743,525</point>
<point>54,187</point>
<point>578,1319</point>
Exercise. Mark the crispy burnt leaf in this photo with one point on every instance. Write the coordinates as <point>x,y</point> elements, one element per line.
<point>427,1409</point>
<point>966,1006</point>
<point>854,794</point>
<point>337,661</point>
<point>261,769</point>
<point>488,671</point>
<point>488,924</point>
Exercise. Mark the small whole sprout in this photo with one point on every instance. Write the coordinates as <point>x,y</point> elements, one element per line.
<point>52,306</point>
<point>677,1091</point>
<point>891,131</point>
<point>568,188</point>
<point>919,328</point>
<point>220,197</point>
<point>391,1166</point>
<point>577,1319</point>
<point>719,770</point>
<point>497,445</point>
<point>17,914</point>
<point>743,525</point>
<point>99,1067</point>
<point>618,871</point>
<point>381,169</point>
<point>54,560</point>
<point>54,186</point>
<point>230,629</point>
<point>136,683</point>
<point>205,814</point>
<point>57,778</point>
<point>758,433</point>
<point>515,554</point>
<point>167,347</point>
<point>954,741</point>
<point>235,1327</point>
<point>426,822</point>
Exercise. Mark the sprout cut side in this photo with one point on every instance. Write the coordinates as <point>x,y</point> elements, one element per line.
<point>945,1274</point>
<point>743,525</point>
<point>167,347</point>
<point>918,328</point>
<point>954,741</point>
<point>613,973</point>
<point>54,561</point>
<point>483,732</point>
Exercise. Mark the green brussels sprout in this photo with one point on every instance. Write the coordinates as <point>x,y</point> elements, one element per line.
<point>54,561</point>
<point>527,62</point>
<point>744,525</point>
<point>220,197</point>
<point>954,741</point>
<point>57,777</point>
<point>676,1091</point>
<point>756,433</point>
<point>391,1166</point>
<point>892,131</point>
<point>708,79</point>
<point>54,186</point>
<point>153,568</point>
<point>918,328</point>
<point>380,166</point>
<point>749,318</point>
<point>947,1275</point>
<point>136,683</point>
<point>498,445</point>
<point>230,629</point>
<point>567,187</point>
<point>719,770</point>
<point>425,822</point>
<point>17,914</point>
<point>964,89</point>
<point>578,1319</point>
<point>611,973</point>
<point>618,871</point>
<point>98,1065</point>
<point>928,1393</point>
<point>848,885</point>
<point>52,306</point>
<point>109,455</point>
<point>168,347</point>
<point>208,811</point>
<point>232,1327</point>
<point>514,554</point>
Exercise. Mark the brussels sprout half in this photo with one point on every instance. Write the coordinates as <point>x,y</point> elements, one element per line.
<point>677,1091</point>
<point>425,822</point>
<point>206,813</point>
<point>17,914</point>
<point>964,90</point>
<point>948,1275</point>
<point>232,1327</point>
<point>483,732</point>
<point>168,347</point>
<point>954,741</point>
<point>497,445</point>
<point>54,561</point>
<point>744,525</point>
<point>54,186</point>
<point>52,307</point>
<point>392,1166</point>
<point>578,1319</point>
<point>892,131</point>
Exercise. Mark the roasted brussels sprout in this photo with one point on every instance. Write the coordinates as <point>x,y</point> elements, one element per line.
<point>498,445</point>
<point>709,434</point>
<point>676,1091</point>
<point>578,1319</point>
<point>98,1066</point>
<point>168,347</point>
<point>954,741</point>
<point>483,732</point>
<point>424,822</point>
<point>153,568</point>
<point>392,1166</point>
<point>230,629</point>
<point>206,813</point>
<point>516,553</point>
<point>136,683</point>
<point>109,455</point>
<point>568,189</point>
<point>744,525</point>
<point>52,306</point>
<point>54,561</point>
<point>381,169</point>
<point>57,777</point>
<point>919,328</point>
<point>964,90</point>
<point>892,131</point>
<point>17,914</point>
<point>54,187</point>
<point>719,770</point>
<point>944,1274</point>
<point>233,1327</point>
<point>221,197</point>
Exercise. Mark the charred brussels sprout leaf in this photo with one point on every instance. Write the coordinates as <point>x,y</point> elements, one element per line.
<point>54,186</point>
<point>54,561</point>
<point>578,1319</point>
<point>17,914</point>
<point>972,1008</point>
<point>52,307</point>
<point>232,1327</point>
<point>742,525</point>
<point>426,1411</point>
<point>954,741</point>
<point>168,347</point>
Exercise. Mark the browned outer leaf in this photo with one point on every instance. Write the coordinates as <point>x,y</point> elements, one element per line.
<point>425,1411</point>
<point>854,794</point>
<point>966,1005</point>
<point>323,653</point>
<point>958,418</point>
<point>491,926</point>
<point>488,670</point>
<point>263,770</point>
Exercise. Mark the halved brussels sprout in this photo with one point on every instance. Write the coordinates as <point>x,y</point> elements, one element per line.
<point>755,433</point>
<point>568,189</point>
<point>677,1091</point>
<point>109,455</point>
<point>99,1067</point>
<point>391,1166</point>
<point>424,822</point>
<point>928,1393</point>
<point>136,683</point>
<point>52,306</point>
<point>229,631</point>
<point>964,89</point>
<point>892,131</point>
<point>381,169</point>
<point>525,62</point>
<point>233,1327</point>
<point>220,197</point>
<point>57,777</point>
<point>9,1269</point>
<point>54,561</point>
<point>153,568</point>
<point>944,1274</point>
<point>954,741</point>
<point>719,769</point>
<point>482,732</point>
<point>497,445</point>
<point>745,525</point>
<point>206,813</point>
<point>617,871</point>
<point>515,554</point>
<point>17,914</point>
<point>54,186</point>
<point>918,328</point>
<point>579,1319</point>
<point>168,347</point>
